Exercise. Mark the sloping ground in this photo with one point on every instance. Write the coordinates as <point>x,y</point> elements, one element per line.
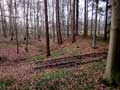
<point>17,73</point>
<point>85,77</point>
<point>82,46</point>
<point>20,70</point>
<point>23,70</point>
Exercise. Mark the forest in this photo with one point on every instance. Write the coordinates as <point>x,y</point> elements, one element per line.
<point>59,44</point>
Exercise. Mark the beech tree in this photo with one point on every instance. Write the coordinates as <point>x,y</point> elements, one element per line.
<point>106,17</point>
<point>112,72</point>
<point>15,25</point>
<point>85,19</point>
<point>3,20</point>
<point>63,19</point>
<point>73,22</point>
<point>10,18</point>
<point>53,22</point>
<point>38,29</point>
<point>77,16</point>
<point>94,33</point>
<point>59,36</point>
<point>92,6</point>
<point>47,29</point>
<point>68,17</point>
<point>27,28</point>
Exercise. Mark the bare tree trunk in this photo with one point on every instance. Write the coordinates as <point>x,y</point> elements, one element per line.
<point>47,29</point>
<point>99,25</point>
<point>106,17</point>
<point>10,19</point>
<point>42,24</point>
<point>3,21</point>
<point>77,16</point>
<point>92,20</point>
<point>24,9</point>
<point>112,72</point>
<point>59,36</point>
<point>68,18</point>
<point>31,17</point>
<point>38,29</point>
<point>16,30</point>
<point>94,33</point>
<point>73,22</point>
<point>63,18</point>
<point>85,19</point>
<point>53,24</point>
<point>35,32</point>
<point>27,27</point>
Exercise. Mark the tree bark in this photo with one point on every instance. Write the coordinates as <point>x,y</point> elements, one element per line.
<point>112,73</point>
<point>106,17</point>
<point>92,19</point>
<point>27,28</point>
<point>47,29</point>
<point>10,19</point>
<point>85,19</point>
<point>16,30</point>
<point>77,16</point>
<point>53,24</point>
<point>99,25</point>
<point>3,21</point>
<point>73,22</point>
<point>68,18</point>
<point>94,33</point>
<point>59,36</point>
<point>38,27</point>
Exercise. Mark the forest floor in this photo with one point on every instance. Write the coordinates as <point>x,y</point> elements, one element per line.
<point>17,70</point>
<point>37,49</point>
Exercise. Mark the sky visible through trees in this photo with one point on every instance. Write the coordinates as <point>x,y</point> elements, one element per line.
<point>33,6</point>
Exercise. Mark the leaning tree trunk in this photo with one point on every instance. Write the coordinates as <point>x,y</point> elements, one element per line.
<point>112,73</point>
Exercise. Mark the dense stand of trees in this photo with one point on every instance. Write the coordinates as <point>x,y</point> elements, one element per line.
<point>59,19</point>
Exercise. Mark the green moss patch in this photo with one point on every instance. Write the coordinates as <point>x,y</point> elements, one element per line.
<point>6,82</point>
